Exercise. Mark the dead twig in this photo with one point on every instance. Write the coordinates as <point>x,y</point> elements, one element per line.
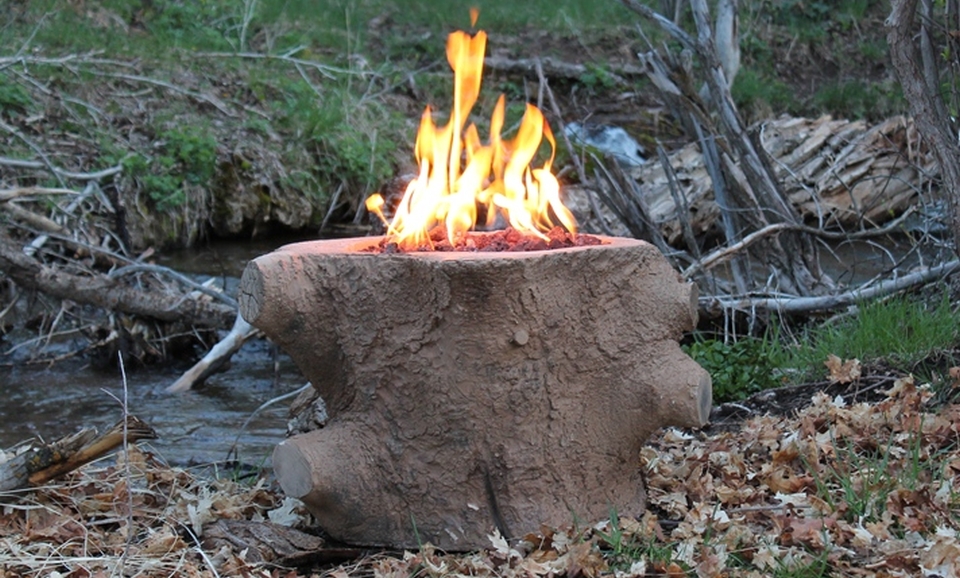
<point>218,355</point>
<point>106,292</point>
<point>93,176</point>
<point>33,146</point>
<point>325,70</point>
<point>9,194</point>
<point>558,68</point>
<point>41,463</point>
<point>721,255</point>
<point>38,222</point>
<point>828,302</point>
<point>175,275</point>
<point>203,97</point>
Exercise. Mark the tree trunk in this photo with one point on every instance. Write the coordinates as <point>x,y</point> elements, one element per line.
<point>925,105</point>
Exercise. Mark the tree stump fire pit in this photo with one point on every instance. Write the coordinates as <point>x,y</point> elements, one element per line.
<point>472,391</point>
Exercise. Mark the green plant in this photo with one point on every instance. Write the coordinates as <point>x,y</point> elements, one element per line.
<point>185,155</point>
<point>597,78</point>
<point>194,149</point>
<point>753,89</point>
<point>621,550</point>
<point>350,145</point>
<point>901,331</point>
<point>13,97</point>
<point>858,99</point>
<point>874,49</point>
<point>811,20</point>
<point>863,480</point>
<point>739,368</point>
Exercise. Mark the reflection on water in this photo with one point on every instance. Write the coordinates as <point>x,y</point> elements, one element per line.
<point>194,427</point>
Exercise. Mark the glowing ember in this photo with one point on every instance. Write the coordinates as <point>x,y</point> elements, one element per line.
<point>458,173</point>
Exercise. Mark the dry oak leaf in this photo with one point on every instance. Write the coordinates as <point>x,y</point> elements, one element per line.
<point>842,371</point>
<point>942,557</point>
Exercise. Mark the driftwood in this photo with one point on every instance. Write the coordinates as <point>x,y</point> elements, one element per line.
<point>749,194</point>
<point>715,306</point>
<point>215,359</point>
<point>39,463</point>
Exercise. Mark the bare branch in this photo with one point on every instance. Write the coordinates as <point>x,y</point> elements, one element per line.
<point>94,176</point>
<point>828,302</point>
<point>107,293</point>
<point>10,194</point>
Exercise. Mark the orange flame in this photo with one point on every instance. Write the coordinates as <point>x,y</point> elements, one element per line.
<point>458,172</point>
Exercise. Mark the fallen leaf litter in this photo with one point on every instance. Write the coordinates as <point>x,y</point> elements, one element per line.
<point>854,490</point>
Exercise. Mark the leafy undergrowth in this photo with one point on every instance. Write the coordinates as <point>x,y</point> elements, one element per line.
<point>848,490</point>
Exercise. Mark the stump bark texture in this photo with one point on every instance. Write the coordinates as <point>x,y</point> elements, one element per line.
<point>469,392</point>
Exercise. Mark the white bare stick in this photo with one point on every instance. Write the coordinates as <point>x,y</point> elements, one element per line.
<point>208,98</point>
<point>8,194</point>
<point>94,176</point>
<point>176,276</point>
<point>323,69</point>
<point>46,160</point>
<point>216,357</point>
<point>808,304</point>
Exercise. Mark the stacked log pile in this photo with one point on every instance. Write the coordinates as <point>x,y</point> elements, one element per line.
<point>840,174</point>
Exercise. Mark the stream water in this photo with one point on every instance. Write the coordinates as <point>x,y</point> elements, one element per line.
<point>197,427</point>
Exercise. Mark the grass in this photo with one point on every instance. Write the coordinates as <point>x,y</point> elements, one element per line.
<point>740,367</point>
<point>324,122</point>
<point>320,26</point>
<point>831,35</point>
<point>901,332</point>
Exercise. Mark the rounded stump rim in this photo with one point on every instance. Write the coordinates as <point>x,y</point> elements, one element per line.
<point>358,246</point>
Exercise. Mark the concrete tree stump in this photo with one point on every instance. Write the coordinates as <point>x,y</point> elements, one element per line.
<point>474,391</point>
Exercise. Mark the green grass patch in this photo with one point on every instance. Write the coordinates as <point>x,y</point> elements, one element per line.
<point>754,89</point>
<point>901,332</point>
<point>812,20</point>
<point>859,99</point>
<point>169,25</point>
<point>14,98</point>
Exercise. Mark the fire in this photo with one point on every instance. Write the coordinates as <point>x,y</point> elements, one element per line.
<point>459,173</point>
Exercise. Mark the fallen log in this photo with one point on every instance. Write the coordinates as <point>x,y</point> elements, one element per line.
<point>108,293</point>
<point>714,306</point>
<point>39,463</point>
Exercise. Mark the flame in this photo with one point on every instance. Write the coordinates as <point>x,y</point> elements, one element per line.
<point>458,172</point>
